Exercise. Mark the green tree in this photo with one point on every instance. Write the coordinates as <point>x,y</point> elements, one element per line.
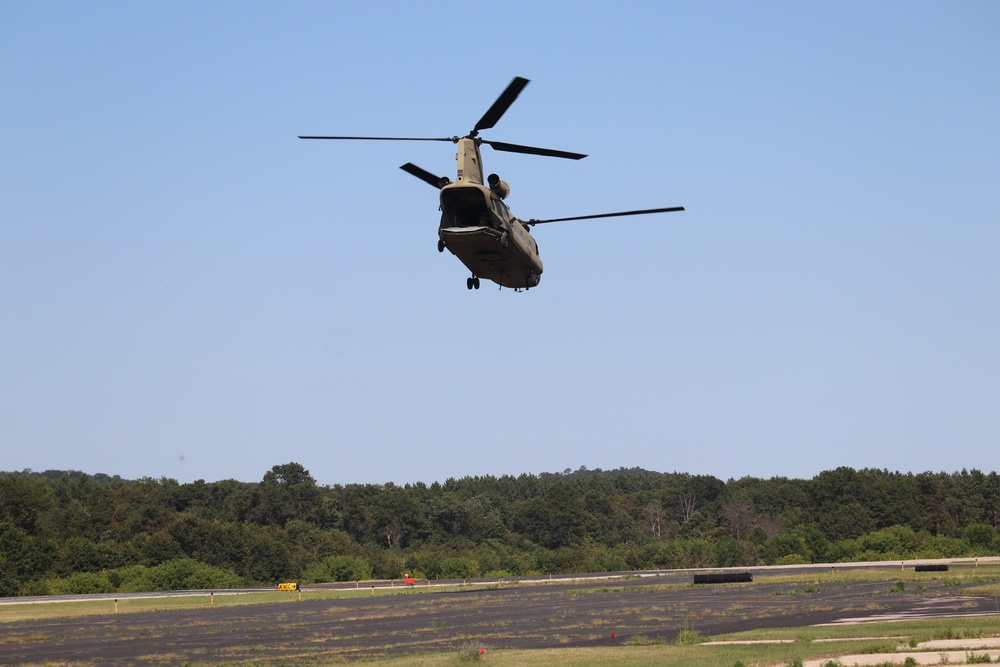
<point>307,544</point>
<point>730,553</point>
<point>21,559</point>
<point>82,583</point>
<point>23,500</point>
<point>267,560</point>
<point>807,543</point>
<point>397,516</point>
<point>892,542</point>
<point>185,574</point>
<point>157,548</point>
<point>287,492</point>
<point>459,567</point>
<point>979,536</point>
<point>555,519</point>
<point>340,568</point>
<point>846,521</point>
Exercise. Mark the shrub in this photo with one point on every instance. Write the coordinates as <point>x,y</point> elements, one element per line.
<point>471,652</point>
<point>182,574</point>
<point>893,542</point>
<point>791,559</point>
<point>82,583</point>
<point>979,535</point>
<point>459,568</point>
<point>348,568</point>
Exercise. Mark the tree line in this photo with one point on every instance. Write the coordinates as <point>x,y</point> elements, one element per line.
<point>68,532</point>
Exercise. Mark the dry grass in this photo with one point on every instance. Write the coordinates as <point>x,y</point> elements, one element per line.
<point>877,637</point>
<point>46,610</point>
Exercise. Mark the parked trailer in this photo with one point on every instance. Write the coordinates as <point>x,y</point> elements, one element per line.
<point>723,578</point>
<point>935,567</point>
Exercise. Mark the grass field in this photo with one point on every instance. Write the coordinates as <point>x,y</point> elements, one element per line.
<point>47,610</point>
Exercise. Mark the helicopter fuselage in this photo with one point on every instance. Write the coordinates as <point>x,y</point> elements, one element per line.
<point>478,228</point>
<point>476,225</point>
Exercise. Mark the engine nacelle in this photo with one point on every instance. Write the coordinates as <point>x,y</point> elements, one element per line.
<point>500,188</point>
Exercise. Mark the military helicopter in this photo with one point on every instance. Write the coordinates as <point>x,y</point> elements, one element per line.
<point>476,225</point>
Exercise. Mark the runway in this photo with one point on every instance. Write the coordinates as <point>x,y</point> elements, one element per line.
<point>555,614</point>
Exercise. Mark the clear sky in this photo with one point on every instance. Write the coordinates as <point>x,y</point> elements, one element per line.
<point>188,290</point>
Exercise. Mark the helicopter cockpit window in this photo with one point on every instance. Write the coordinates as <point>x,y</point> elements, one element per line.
<point>502,210</point>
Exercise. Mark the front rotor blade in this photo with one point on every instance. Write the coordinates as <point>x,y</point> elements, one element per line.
<point>609,215</point>
<point>425,176</point>
<point>453,140</point>
<point>500,107</point>
<point>531,150</point>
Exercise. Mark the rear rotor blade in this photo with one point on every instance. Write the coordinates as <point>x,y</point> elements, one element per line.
<point>531,150</point>
<point>500,107</point>
<point>609,215</point>
<point>453,140</point>
<point>425,176</point>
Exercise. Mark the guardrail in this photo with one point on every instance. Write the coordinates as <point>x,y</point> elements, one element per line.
<point>677,575</point>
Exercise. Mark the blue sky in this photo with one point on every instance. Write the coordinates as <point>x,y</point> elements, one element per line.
<point>188,290</point>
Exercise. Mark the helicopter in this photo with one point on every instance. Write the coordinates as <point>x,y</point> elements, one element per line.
<point>476,224</point>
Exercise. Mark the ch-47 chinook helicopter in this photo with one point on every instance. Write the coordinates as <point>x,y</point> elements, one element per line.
<point>476,225</point>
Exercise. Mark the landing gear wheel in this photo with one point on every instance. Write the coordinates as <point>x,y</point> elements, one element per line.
<point>468,283</point>
<point>475,282</point>
<point>440,245</point>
